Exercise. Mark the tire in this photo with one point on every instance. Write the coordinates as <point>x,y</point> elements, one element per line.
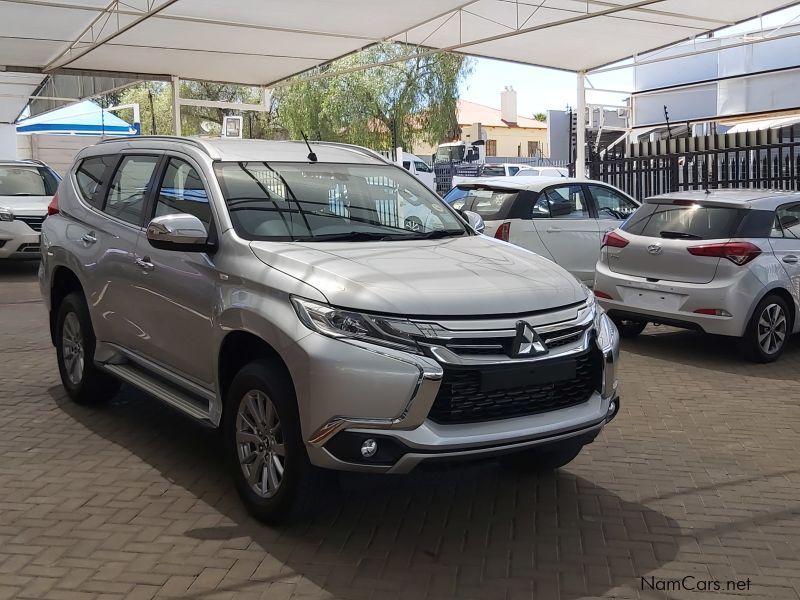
<point>288,489</point>
<point>768,331</point>
<point>84,382</point>
<point>540,460</point>
<point>628,328</point>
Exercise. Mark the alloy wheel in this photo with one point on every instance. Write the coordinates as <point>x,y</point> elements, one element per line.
<point>771,330</point>
<point>72,348</point>
<point>259,443</point>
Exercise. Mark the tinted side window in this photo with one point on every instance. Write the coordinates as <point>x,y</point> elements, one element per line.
<point>182,191</point>
<point>129,186</point>
<point>567,202</point>
<point>611,204</point>
<point>787,222</point>
<point>422,167</point>
<point>91,176</point>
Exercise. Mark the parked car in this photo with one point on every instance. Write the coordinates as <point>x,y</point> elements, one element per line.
<point>725,262</point>
<point>561,219</point>
<point>217,276</point>
<point>529,171</point>
<point>26,188</point>
<point>419,169</point>
<point>489,170</point>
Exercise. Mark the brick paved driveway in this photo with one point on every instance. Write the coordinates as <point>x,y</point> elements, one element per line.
<point>699,475</point>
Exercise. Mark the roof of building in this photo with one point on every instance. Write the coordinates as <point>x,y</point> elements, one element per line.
<point>471,112</point>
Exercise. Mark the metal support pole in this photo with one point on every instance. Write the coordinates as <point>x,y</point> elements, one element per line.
<point>580,128</point>
<point>176,105</point>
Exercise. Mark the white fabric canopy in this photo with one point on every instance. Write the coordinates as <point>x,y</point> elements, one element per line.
<point>261,42</point>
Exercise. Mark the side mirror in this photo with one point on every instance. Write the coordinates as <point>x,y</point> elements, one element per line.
<point>474,219</point>
<point>181,232</point>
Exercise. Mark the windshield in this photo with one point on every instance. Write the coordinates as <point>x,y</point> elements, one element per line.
<point>318,202</point>
<point>450,153</point>
<point>19,180</point>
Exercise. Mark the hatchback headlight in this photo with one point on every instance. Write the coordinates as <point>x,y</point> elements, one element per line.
<point>340,323</point>
<point>6,214</point>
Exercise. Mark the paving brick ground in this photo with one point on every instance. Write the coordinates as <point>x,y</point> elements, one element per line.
<point>699,476</point>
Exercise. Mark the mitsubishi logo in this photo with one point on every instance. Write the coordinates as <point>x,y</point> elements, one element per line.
<point>527,342</point>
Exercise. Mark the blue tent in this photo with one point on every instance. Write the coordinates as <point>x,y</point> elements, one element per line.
<point>83,118</point>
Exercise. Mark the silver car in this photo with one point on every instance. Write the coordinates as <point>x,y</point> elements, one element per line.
<point>271,289</point>
<point>26,190</point>
<point>723,262</point>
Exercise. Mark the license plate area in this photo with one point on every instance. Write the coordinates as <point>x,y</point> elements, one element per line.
<point>654,299</point>
<point>529,375</point>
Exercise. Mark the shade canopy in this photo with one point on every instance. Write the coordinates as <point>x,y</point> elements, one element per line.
<point>241,41</point>
<point>83,118</point>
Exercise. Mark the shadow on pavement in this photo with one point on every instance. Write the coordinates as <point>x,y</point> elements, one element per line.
<point>466,531</point>
<point>716,353</point>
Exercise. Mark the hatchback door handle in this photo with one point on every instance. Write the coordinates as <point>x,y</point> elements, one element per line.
<point>790,259</point>
<point>554,229</point>
<point>88,238</point>
<point>145,263</point>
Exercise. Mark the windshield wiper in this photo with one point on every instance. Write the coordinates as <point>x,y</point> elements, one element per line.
<point>679,235</point>
<point>353,236</point>
<point>440,233</point>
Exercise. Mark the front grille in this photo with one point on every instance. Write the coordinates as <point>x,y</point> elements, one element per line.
<point>502,345</point>
<point>34,223</point>
<point>462,397</point>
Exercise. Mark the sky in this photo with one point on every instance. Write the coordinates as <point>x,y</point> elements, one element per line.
<point>541,89</point>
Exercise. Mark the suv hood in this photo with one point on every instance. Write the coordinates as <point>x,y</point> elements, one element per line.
<point>473,275</point>
<point>26,205</point>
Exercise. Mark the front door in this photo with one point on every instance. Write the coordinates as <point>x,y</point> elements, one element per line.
<point>176,292</point>
<point>785,242</point>
<point>571,233</point>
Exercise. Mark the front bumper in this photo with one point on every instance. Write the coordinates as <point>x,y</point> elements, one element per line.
<point>18,241</point>
<point>393,408</point>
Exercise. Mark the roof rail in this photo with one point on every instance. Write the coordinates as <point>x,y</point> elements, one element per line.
<point>161,138</point>
<point>360,149</point>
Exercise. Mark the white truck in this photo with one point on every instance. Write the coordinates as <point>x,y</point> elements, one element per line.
<point>461,152</point>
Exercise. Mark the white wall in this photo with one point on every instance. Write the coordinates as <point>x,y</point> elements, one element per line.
<point>58,151</point>
<point>8,141</point>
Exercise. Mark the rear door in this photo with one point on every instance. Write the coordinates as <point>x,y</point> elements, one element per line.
<point>571,234</point>
<point>659,236</point>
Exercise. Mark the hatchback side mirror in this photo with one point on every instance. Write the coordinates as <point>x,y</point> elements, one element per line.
<point>181,232</point>
<point>475,220</point>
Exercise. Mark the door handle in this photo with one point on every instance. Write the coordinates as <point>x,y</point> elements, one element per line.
<point>554,229</point>
<point>88,238</point>
<point>790,259</point>
<point>145,263</point>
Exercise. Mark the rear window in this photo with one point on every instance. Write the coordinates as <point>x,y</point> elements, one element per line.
<point>693,222</point>
<point>491,204</point>
<point>493,170</point>
<point>24,180</point>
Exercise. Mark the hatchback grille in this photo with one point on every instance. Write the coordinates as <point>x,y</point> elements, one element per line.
<point>461,398</point>
<point>34,223</point>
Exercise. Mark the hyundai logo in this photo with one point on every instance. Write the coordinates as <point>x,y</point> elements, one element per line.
<point>655,249</point>
<point>527,342</point>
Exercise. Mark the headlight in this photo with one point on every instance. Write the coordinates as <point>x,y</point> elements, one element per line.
<point>6,214</point>
<point>340,323</point>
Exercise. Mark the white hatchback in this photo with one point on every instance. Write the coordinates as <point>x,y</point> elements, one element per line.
<point>562,219</point>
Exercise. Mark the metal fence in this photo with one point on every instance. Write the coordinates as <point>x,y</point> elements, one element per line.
<point>775,166</point>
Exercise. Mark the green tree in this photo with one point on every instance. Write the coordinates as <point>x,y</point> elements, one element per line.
<point>540,116</point>
<point>386,106</point>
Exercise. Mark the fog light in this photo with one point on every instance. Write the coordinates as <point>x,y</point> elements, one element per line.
<point>369,448</point>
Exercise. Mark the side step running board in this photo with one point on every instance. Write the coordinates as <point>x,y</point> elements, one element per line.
<point>191,405</point>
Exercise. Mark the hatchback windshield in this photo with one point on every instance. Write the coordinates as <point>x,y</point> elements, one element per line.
<point>318,202</point>
<point>685,221</point>
<point>19,180</point>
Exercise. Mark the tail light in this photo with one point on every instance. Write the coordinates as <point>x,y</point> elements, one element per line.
<point>739,253</point>
<point>601,294</point>
<point>613,240</point>
<point>52,208</point>
<point>503,232</point>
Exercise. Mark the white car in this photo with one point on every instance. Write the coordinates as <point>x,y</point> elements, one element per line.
<point>528,171</point>
<point>562,219</point>
<point>419,169</point>
<point>486,171</point>
<point>725,262</point>
<point>26,189</point>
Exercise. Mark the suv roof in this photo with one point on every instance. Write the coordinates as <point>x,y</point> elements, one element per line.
<point>247,150</point>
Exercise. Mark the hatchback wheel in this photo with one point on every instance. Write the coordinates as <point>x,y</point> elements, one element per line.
<point>264,446</point>
<point>768,331</point>
<point>84,382</point>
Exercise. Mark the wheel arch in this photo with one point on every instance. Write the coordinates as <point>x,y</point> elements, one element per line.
<point>64,282</point>
<point>785,295</point>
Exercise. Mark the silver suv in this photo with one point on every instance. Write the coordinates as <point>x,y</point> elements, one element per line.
<point>271,290</point>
